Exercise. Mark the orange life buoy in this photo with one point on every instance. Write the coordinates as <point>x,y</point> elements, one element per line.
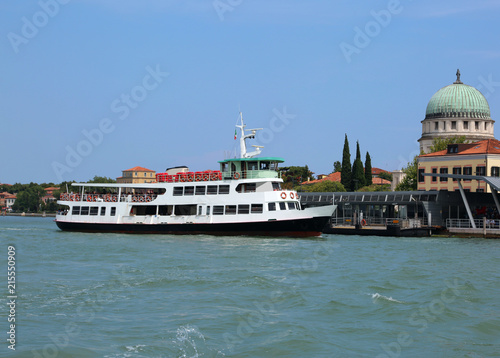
<point>236,176</point>
<point>283,195</point>
<point>291,196</point>
<point>363,222</point>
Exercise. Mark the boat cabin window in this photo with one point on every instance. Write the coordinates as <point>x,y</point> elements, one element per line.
<point>264,165</point>
<point>113,210</point>
<point>165,210</point>
<point>243,209</point>
<point>85,210</point>
<point>75,210</point>
<point>103,211</point>
<point>94,210</point>
<point>178,190</point>
<point>253,166</point>
<point>143,210</point>
<point>230,209</point>
<point>223,189</point>
<point>257,208</point>
<point>189,190</point>
<point>282,206</point>
<point>271,206</point>
<point>200,190</point>
<point>224,167</point>
<point>208,210</point>
<point>218,210</point>
<point>211,189</point>
<point>246,188</point>
<point>199,209</point>
<point>185,209</point>
<point>276,186</point>
<point>291,205</point>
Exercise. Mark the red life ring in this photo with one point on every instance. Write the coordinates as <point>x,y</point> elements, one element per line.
<point>283,195</point>
<point>236,176</point>
<point>291,196</point>
<point>363,222</point>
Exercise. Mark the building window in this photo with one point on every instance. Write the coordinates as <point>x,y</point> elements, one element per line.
<point>481,171</point>
<point>452,148</point>
<point>485,126</point>
<point>454,125</point>
<point>444,126</point>
<point>466,125</point>
<point>457,171</point>
<point>495,171</point>
<point>476,123</point>
<point>436,126</point>
<point>421,178</point>
<point>135,173</point>
<point>443,171</point>
<point>434,171</point>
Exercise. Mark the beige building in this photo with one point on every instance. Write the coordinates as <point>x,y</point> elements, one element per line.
<point>456,110</point>
<point>480,158</point>
<point>137,175</point>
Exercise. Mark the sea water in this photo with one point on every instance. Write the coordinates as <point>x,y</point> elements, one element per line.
<point>119,295</point>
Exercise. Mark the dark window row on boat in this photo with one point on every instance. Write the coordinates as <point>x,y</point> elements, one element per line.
<point>200,190</point>
<point>92,210</point>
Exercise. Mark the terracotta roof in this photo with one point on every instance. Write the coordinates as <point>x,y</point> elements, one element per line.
<point>331,177</point>
<point>380,181</point>
<point>487,146</point>
<point>52,188</point>
<point>138,169</point>
<point>377,171</point>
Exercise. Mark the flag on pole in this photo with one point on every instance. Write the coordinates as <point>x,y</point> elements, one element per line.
<point>235,134</point>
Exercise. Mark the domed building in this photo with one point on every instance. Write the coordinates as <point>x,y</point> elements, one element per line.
<point>456,110</point>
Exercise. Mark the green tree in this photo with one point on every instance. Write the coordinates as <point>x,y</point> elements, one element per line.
<point>294,175</point>
<point>410,181</point>
<point>337,167</point>
<point>358,174</point>
<point>439,144</point>
<point>326,186</point>
<point>346,172</point>
<point>385,175</point>
<point>29,199</point>
<point>98,179</point>
<point>368,170</point>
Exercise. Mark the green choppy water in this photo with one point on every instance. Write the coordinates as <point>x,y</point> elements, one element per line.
<point>113,295</point>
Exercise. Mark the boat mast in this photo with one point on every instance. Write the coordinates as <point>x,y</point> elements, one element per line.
<point>243,137</point>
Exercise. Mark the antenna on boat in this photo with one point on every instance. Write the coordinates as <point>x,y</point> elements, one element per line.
<point>243,137</point>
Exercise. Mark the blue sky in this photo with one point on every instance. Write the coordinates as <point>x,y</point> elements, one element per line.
<point>93,87</point>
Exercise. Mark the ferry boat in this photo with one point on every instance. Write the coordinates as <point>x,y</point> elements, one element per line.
<point>244,197</point>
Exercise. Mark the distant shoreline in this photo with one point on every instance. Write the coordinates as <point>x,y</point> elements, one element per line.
<point>30,215</point>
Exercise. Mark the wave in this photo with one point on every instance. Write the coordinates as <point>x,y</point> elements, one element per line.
<point>378,297</point>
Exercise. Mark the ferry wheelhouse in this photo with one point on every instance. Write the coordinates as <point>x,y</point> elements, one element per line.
<point>244,197</point>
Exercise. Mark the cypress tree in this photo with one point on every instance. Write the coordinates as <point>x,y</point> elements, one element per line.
<point>345,175</point>
<point>368,170</point>
<point>358,174</point>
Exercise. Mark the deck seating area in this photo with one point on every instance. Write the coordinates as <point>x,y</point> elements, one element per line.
<point>207,175</point>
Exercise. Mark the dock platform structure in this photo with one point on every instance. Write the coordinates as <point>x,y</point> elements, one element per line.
<point>407,213</point>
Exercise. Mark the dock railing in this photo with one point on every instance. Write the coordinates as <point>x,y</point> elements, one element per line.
<point>466,223</point>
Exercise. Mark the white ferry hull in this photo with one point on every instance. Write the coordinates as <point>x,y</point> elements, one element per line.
<point>292,228</point>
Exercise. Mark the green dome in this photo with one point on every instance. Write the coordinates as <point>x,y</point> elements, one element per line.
<point>458,100</point>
